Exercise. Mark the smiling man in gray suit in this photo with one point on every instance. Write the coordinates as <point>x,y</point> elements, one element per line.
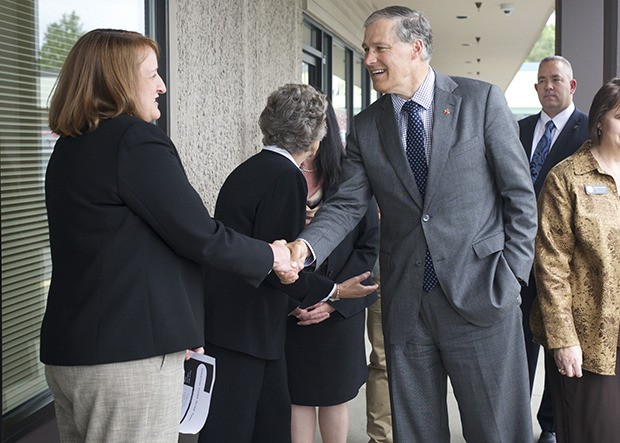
<point>458,219</point>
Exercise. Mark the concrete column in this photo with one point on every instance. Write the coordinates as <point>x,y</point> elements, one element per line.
<point>579,38</point>
<point>587,35</point>
<point>611,63</point>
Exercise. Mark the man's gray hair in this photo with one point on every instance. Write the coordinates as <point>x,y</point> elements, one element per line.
<point>559,59</point>
<point>410,25</point>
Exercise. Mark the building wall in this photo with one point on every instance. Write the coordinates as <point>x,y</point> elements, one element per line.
<point>225,59</point>
<point>583,49</point>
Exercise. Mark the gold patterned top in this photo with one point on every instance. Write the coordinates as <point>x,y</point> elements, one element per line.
<point>577,262</point>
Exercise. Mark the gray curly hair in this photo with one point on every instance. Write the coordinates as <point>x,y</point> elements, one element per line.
<point>294,118</point>
<point>410,25</point>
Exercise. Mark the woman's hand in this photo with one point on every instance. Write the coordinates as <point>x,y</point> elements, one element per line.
<point>569,361</point>
<point>353,287</point>
<point>188,353</point>
<point>313,314</point>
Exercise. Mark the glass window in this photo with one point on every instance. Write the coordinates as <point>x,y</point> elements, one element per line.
<point>35,37</point>
<point>310,36</point>
<point>339,86</point>
<point>374,95</point>
<point>358,72</point>
<point>311,70</point>
<point>332,66</point>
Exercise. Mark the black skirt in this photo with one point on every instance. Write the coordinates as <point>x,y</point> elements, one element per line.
<point>326,362</point>
<point>586,409</point>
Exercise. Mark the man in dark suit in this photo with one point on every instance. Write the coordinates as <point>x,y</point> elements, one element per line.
<point>555,87</point>
<point>458,220</point>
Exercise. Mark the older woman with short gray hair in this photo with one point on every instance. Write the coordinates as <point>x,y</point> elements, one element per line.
<point>245,327</point>
<point>294,118</point>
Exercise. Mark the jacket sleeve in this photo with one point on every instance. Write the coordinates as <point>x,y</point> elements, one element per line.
<point>152,182</point>
<point>555,243</point>
<point>510,167</point>
<point>360,255</point>
<point>281,215</point>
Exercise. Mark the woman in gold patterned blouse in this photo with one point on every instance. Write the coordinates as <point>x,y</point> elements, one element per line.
<point>577,314</point>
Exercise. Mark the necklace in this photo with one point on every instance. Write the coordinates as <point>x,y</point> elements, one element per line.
<point>306,170</point>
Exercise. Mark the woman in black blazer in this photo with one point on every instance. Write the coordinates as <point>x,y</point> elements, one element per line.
<point>325,348</point>
<point>245,327</point>
<point>128,236</point>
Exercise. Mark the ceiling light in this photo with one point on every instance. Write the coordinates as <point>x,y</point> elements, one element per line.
<point>507,8</point>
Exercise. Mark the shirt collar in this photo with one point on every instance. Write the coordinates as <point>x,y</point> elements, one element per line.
<point>589,163</point>
<point>423,96</point>
<point>281,151</point>
<point>559,120</point>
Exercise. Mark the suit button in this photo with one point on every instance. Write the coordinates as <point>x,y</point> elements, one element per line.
<point>418,263</point>
<point>426,218</point>
<point>330,273</point>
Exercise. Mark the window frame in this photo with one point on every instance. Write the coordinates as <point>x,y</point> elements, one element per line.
<point>38,410</point>
<point>323,51</point>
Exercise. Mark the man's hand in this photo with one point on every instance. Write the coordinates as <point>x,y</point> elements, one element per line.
<point>299,252</point>
<point>286,269</point>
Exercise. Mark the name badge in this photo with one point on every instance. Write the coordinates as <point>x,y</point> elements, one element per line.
<point>596,189</point>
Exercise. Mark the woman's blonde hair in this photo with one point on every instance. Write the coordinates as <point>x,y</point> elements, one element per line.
<point>98,80</point>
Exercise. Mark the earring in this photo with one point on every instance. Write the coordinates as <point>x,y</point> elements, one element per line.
<point>599,130</point>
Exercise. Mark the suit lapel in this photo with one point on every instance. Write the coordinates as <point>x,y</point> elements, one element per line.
<point>395,152</point>
<point>561,147</point>
<point>445,116</point>
<point>526,135</point>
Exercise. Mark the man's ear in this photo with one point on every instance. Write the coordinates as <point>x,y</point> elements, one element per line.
<point>573,86</point>
<point>417,47</point>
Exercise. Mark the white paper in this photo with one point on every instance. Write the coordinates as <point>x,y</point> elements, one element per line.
<point>197,388</point>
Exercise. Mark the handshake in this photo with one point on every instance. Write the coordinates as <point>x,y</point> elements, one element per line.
<point>289,260</point>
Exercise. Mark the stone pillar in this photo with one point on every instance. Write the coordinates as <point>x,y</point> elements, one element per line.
<point>587,35</point>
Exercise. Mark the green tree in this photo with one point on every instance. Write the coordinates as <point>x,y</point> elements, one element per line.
<point>58,40</point>
<point>545,46</point>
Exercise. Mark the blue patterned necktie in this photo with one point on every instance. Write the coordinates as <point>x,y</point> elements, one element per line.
<point>416,155</point>
<point>542,150</point>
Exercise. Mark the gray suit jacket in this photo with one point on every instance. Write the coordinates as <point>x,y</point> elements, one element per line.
<point>478,217</point>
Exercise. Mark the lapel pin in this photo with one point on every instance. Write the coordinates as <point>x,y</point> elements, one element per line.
<point>446,111</point>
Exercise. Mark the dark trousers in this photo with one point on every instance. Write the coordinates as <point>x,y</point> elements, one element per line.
<point>250,401</point>
<point>545,411</point>
<point>587,409</point>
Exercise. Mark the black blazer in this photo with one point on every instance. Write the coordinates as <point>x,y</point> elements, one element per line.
<point>265,198</point>
<point>574,134</point>
<point>128,236</point>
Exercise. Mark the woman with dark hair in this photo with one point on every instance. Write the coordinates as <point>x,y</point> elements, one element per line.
<point>245,327</point>
<point>325,349</point>
<point>128,236</point>
<point>577,315</point>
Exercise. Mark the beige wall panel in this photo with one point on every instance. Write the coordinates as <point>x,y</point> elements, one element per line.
<point>226,57</point>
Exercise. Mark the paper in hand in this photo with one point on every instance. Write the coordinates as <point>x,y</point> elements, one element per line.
<point>197,388</point>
